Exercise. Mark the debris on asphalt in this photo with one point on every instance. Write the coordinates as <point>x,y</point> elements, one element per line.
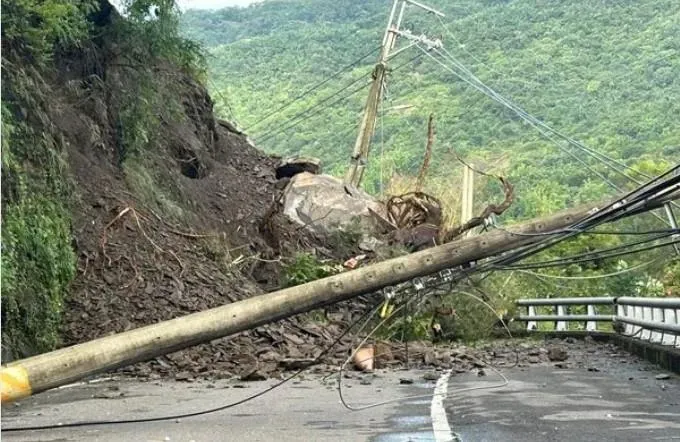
<point>557,354</point>
<point>430,376</point>
<point>363,359</point>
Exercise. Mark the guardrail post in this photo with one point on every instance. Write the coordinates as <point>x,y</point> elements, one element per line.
<point>670,316</point>
<point>625,311</point>
<point>531,325</point>
<point>561,325</point>
<point>646,316</point>
<point>637,314</point>
<point>657,316</point>
<point>591,325</point>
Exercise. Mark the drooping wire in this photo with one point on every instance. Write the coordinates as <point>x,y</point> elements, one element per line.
<point>306,114</point>
<point>502,384</point>
<point>589,257</point>
<point>562,135</point>
<point>522,115</point>
<point>230,111</point>
<point>315,87</point>
<point>593,232</point>
<point>607,275</point>
<point>608,161</point>
<point>631,203</point>
<point>323,353</point>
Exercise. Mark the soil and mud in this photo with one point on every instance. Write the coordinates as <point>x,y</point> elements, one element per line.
<point>187,225</point>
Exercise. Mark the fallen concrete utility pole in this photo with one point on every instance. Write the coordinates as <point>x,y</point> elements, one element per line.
<point>39,373</point>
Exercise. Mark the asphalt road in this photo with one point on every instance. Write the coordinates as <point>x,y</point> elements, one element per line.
<point>612,399</point>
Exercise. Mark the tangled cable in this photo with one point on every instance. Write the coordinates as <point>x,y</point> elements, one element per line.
<point>325,351</point>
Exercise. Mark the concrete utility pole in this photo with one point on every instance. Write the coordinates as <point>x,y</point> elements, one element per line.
<point>39,373</point>
<point>359,157</point>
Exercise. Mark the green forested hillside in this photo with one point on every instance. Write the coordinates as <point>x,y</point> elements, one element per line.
<point>605,72</point>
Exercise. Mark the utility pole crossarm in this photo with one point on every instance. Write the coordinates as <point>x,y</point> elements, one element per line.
<point>359,158</point>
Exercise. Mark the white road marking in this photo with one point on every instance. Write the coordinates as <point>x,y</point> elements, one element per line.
<point>440,423</point>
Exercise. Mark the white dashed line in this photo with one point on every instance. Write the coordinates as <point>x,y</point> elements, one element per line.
<point>440,423</point>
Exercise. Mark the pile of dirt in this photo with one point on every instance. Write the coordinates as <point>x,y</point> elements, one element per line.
<point>138,265</point>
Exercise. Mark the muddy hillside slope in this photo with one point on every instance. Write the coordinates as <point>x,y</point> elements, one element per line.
<point>170,209</point>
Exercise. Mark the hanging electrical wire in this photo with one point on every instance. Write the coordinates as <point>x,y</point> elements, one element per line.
<point>590,277</point>
<point>315,87</point>
<point>605,158</point>
<point>322,105</point>
<point>367,314</point>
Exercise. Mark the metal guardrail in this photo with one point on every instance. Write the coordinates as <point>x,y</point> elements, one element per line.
<point>656,320</point>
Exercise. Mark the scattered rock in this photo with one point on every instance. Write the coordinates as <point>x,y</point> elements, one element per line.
<point>406,381</point>
<point>430,376</point>
<point>253,375</point>
<point>354,262</point>
<point>184,377</point>
<point>557,354</point>
<point>104,395</point>
<point>296,364</point>
<point>534,360</point>
<point>444,358</point>
<point>383,355</point>
<point>662,376</point>
<point>370,244</point>
<point>562,365</point>
<point>593,369</point>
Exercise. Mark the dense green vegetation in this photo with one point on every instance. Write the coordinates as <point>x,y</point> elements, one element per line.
<point>38,195</point>
<point>605,72</point>
<point>37,260</point>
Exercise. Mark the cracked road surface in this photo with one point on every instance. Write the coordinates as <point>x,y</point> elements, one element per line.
<point>613,399</point>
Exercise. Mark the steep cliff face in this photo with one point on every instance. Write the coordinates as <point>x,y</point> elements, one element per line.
<point>136,205</point>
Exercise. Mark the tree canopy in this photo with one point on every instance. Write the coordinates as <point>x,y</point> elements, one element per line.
<point>606,73</point>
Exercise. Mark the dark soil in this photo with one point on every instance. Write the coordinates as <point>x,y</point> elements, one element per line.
<point>140,266</point>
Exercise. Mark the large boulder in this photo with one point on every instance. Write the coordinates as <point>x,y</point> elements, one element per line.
<point>324,203</point>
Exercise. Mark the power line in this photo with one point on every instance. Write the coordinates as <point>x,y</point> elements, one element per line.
<point>324,352</point>
<point>586,257</point>
<point>569,139</point>
<point>605,159</point>
<point>500,100</point>
<point>633,202</point>
<point>315,87</point>
<point>305,114</point>
<point>536,122</point>
<point>589,277</point>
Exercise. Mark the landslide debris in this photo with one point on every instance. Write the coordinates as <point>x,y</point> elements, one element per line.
<point>173,211</point>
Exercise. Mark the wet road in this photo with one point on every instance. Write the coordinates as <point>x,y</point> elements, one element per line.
<point>608,399</point>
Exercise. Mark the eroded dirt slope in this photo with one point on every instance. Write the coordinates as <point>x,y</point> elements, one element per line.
<point>179,228</point>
